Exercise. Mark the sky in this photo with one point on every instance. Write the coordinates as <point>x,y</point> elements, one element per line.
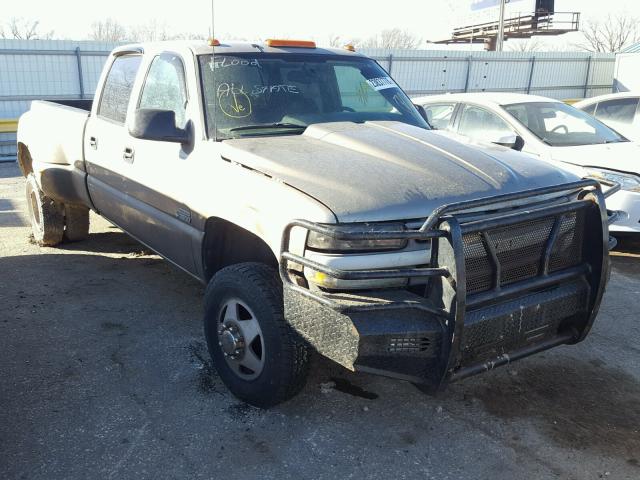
<point>250,19</point>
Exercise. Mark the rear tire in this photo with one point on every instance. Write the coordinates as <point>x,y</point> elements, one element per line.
<point>258,355</point>
<point>76,220</point>
<point>46,215</point>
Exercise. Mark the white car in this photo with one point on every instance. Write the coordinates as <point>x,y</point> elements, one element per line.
<point>618,110</point>
<point>550,130</point>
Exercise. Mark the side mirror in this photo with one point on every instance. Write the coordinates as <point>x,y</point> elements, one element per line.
<point>511,140</point>
<point>423,113</point>
<point>160,125</point>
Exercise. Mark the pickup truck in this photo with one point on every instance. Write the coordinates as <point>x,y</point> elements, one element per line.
<point>309,194</point>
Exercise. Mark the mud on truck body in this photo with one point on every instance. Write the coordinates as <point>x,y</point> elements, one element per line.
<point>314,201</point>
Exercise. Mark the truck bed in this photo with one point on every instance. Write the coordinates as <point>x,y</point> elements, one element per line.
<point>54,130</point>
<point>74,103</point>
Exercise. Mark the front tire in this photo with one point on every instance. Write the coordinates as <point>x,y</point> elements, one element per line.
<point>46,215</point>
<point>258,355</point>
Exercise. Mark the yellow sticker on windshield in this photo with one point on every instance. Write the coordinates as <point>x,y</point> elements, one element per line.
<point>233,100</point>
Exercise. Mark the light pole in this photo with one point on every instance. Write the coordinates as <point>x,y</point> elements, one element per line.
<point>500,39</point>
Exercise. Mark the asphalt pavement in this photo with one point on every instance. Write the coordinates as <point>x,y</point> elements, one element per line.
<point>104,374</point>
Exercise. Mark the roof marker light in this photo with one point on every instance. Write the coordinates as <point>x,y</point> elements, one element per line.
<point>349,47</point>
<point>214,42</point>
<point>273,42</point>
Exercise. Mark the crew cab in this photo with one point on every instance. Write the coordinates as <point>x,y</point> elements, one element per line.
<point>308,193</point>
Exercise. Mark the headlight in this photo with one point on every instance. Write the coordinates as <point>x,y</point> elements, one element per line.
<point>327,243</point>
<point>627,182</point>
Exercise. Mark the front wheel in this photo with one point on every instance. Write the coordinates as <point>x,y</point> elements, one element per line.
<point>257,354</point>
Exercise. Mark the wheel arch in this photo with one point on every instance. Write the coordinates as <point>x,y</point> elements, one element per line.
<point>25,161</point>
<point>226,243</point>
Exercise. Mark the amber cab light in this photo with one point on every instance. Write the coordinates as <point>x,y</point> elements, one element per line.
<point>272,42</point>
<point>350,47</point>
<point>214,42</point>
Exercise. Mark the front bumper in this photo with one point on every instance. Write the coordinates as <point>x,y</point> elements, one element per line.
<point>461,325</point>
<point>627,204</point>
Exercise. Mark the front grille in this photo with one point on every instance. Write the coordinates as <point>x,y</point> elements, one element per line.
<point>520,251</point>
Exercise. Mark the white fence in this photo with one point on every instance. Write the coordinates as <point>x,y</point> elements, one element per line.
<point>561,75</point>
<point>43,69</point>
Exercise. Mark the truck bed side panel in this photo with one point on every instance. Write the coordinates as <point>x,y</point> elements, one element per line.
<point>53,136</point>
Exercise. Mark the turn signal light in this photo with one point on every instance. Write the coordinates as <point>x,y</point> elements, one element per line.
<point>272,42</point>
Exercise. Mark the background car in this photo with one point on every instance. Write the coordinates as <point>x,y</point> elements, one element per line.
<point>551,130</point>
<point>618,110</point>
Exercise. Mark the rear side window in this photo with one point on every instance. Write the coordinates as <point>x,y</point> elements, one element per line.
<point>621,110</point>
<point>117,88</point>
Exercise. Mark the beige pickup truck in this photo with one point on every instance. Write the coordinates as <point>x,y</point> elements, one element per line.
<point>310,195</point>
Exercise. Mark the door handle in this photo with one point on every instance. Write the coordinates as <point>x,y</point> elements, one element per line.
<point>93,143</point>
<point>127,155</point>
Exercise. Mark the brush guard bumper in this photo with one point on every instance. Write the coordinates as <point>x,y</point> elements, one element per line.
<point>499,288</point>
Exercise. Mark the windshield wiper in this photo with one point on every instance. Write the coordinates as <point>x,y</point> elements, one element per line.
<point>268,125</point>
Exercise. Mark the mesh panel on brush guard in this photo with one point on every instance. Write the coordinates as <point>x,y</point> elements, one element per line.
<point>520,250</point>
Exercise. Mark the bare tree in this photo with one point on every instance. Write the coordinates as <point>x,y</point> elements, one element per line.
<point>336,41</point>
<point>611,34</point>
<point>24,29</point>
<point>149,32</point>
<point>108,30</point>
<point>392,38</point>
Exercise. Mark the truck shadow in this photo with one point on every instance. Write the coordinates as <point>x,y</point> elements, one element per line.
<point>9,170</point>
<point>11,214</point>
<point>114,241</point>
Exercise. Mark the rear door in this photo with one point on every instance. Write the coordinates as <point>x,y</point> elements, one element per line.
<point>106,136</point>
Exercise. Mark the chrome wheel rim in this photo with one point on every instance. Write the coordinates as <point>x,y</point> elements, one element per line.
<point>240,339</point>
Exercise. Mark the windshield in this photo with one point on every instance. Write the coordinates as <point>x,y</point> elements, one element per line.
<point>560,125</point>
<point>267,94</point>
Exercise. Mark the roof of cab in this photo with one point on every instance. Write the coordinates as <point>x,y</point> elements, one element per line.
<point>202,48</point>
<point>487,98</point>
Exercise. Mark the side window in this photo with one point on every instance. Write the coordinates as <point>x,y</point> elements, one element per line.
<point>164,87</point>
<point>621,110</point>
<point>481,124</point>
<point>439,114</point>
<point>590,109</point>
<point>117,88</point>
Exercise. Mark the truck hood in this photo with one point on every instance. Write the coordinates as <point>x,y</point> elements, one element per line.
<point>623,156</point>
<point>380,171</point>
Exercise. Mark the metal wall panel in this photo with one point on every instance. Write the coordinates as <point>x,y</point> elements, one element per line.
<point>559,75</point>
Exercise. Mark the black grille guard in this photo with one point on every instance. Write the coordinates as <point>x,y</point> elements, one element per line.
<point>447,296</point>
<point>442,224</point>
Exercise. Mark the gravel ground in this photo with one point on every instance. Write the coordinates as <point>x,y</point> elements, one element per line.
<point>104,374</point>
